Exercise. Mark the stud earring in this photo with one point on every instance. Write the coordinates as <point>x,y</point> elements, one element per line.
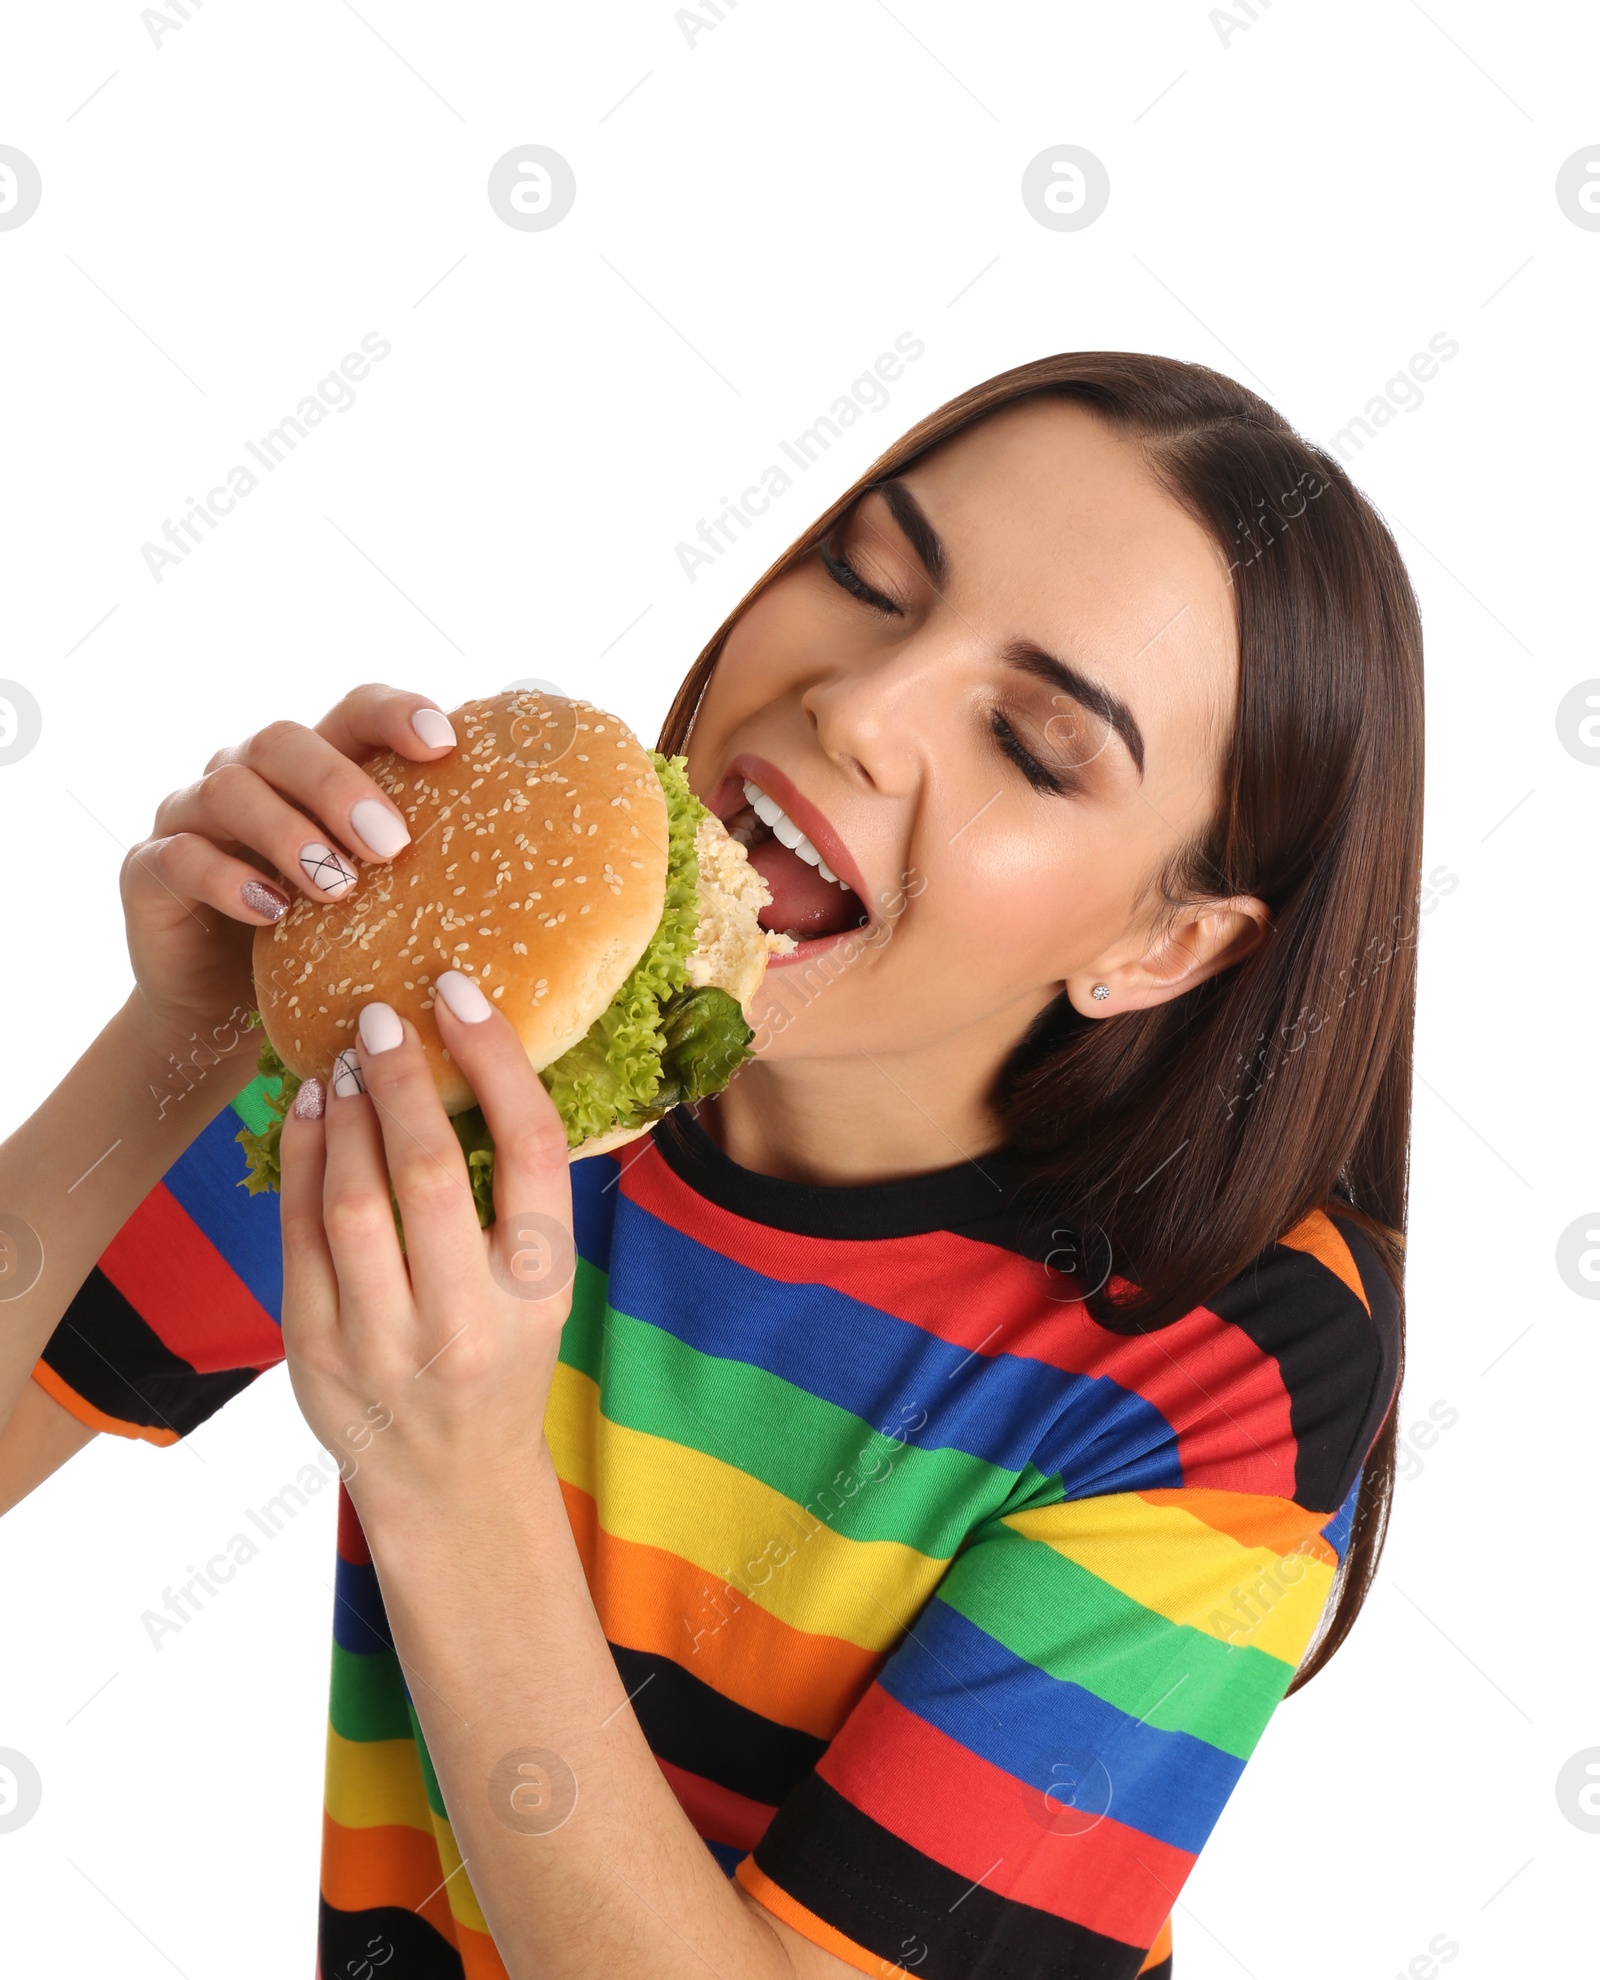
<point>1100,992</point>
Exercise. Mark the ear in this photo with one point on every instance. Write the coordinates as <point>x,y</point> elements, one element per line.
<point>1207,937</point>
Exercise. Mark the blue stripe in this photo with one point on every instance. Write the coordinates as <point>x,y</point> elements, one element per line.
<point>1337,1530</point>
<point>1170,1785</point>
<point>595,1195</point>
<point>207,1181</point>
<point>359,1622</point>
<point>728,1855</point>
<point>1002,1408</point>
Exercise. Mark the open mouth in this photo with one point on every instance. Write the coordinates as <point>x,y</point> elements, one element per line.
<point>809,900</point>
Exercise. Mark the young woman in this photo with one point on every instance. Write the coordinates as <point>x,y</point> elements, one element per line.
<point>959,1435</point>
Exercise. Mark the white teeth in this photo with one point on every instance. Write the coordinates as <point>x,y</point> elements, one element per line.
<point>783,827</point>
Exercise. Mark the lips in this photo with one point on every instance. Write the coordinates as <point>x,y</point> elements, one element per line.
<point>812,908</point>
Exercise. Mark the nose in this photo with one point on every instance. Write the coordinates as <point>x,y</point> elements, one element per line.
<point>879,716</point>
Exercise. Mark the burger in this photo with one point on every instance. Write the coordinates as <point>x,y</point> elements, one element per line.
<point>576,878</point>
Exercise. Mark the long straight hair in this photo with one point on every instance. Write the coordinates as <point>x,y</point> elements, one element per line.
<point>1283,1084</point>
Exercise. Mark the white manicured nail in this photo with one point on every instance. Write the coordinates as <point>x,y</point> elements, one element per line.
<point>380,1028</point>
<point>326,869</point>
<point>463,997</point>
<point>347,1081</point>
<point>433,727</point>
<point>379,827</point>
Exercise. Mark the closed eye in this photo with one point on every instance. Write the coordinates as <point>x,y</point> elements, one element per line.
<point>1030,766</point>
<point>848,578</point>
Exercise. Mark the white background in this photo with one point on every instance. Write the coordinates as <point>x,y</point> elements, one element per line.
<point>1302,202</point>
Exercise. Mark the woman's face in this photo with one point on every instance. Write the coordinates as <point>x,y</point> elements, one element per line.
<point>996,704</point>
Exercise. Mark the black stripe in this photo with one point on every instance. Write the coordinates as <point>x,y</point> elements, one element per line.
<point>1337,1362</point>
<point>104,1351</point>
<point>914,1913</point>
<point>696,1728</point>
<point>351,1945</point>
<point>950,1199</point>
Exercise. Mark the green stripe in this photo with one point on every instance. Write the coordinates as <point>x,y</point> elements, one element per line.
<point>815,1453</point>
<point>367,1697</point>
<point>252,1104</point>
<point>1025,1595</point>
<point>430,1780</point>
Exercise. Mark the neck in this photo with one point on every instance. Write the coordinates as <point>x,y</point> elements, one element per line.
<point>859,1117</point>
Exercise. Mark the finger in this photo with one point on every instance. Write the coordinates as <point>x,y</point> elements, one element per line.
<point>187,869</point>
<point>310,1282</point>
<point>444,1242</point>
<point>282,786</point>
<point>374,716</point>
<point>376,1308</point>
<point>532,1233</point>
<point>232,812</point>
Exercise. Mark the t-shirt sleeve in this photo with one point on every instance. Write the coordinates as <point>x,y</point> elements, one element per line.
<point>1029,1780</point>
<point>183,1308</point>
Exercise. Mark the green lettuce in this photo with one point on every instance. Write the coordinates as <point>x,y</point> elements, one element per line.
<point>659,1042</point>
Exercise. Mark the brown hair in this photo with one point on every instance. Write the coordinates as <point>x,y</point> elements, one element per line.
<point>1265,1092</point>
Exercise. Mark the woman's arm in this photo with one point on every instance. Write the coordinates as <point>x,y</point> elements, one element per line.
<point>576,1848</point>
<point>83,1161</point>
<point>594,1866</point>
<point>177,1052</point>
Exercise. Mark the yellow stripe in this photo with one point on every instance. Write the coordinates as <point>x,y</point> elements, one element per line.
<point>373,1781</point>
<point>1179,1567</point>
<point>661,1494</point>
<point>464,1906</point>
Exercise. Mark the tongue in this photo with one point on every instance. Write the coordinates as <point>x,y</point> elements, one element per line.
<point>803,903</point>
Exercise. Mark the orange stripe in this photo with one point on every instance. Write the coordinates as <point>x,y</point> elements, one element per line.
<point>1162,1949</point>
<point>648,1599</point>
<point>391,1864</point>
<point>479,1959</point>
<point>86,1413</point>
<point>364,1868</point>
<point>1319,1236</point>
<point>775,1899</point>
<point>1254,1520</point>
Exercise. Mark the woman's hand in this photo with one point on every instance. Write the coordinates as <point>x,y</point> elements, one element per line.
<point>434,1364</point>
<point>286,802</point>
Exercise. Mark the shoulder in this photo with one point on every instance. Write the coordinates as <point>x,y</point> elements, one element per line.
<point>1321,1305</point>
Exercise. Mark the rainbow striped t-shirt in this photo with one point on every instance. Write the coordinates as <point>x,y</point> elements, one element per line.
<point>950,1615</point>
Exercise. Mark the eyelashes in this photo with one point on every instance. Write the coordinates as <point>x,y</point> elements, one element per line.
<point>848,578</point>
<point>1042,779</point>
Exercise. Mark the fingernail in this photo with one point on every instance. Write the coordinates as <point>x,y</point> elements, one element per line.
<point>462,997</point>
<point>259,898</point>
<point>380,1028</point>
<point>326,869</point>
<point>347,1082</point>
<point>379,827</point>
<point>433,727</point>
<point>310,1100</point>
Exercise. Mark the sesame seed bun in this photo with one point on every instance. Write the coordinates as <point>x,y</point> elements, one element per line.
<point>537,866</point>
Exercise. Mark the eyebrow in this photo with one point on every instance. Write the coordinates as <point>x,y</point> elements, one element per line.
<point>1022,655</point>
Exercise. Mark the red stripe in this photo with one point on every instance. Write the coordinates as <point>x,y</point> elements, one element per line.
<point>718,1814</point>
<point>352,1542</point>
<point>186,1292</point>
<point>951,1805</point>
<point>1005,1307</point>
